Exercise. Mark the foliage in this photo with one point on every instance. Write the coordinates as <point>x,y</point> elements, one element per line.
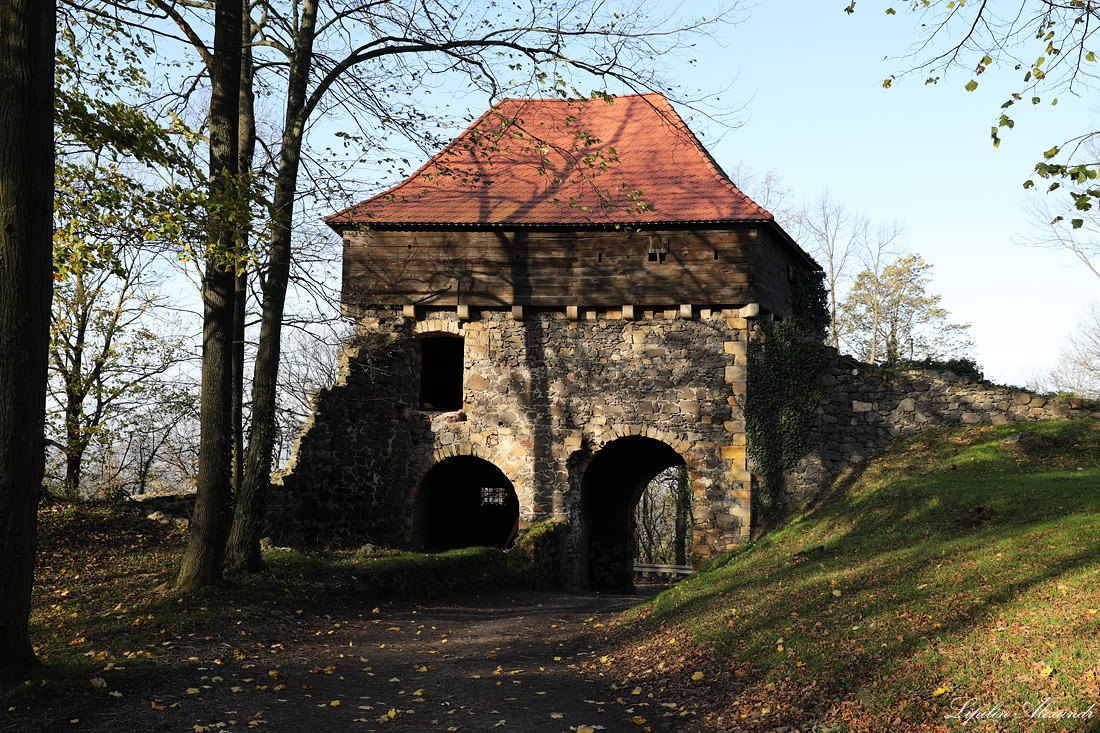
<point>1046,43</point>
<point>915,584</point>
<point>964,367</point>
<point>783,390</point>
<point>890,317</point>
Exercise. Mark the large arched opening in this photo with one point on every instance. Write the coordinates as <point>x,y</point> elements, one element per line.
<point>464,501</point>
<point>611,486</point>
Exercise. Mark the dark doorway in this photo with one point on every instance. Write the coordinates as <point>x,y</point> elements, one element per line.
<point>610,489</point>
<point>464,502</point>
<point>441,372</point>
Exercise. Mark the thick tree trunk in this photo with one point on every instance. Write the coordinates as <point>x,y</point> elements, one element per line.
<point>252,502</point>
<point>26,286</point>
<point>202,562</point>
<point>246,151</point>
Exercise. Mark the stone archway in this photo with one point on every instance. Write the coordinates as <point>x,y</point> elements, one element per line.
<point>464,501</point>
<point>610,488</point>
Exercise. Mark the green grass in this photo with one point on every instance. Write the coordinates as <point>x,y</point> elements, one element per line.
<point>953,566</point>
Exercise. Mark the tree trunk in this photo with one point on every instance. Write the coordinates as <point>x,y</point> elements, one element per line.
<point>205,554</point>
<point>683,514</point>
<point>27,30</point>
<point>246,150</point>
<point>252,503</point>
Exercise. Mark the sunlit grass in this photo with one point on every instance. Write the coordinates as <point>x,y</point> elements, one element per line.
<point>955,566</point>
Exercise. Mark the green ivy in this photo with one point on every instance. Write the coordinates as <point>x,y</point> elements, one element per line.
<point>783,392</point>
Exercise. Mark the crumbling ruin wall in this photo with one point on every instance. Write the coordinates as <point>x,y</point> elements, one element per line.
<point>543,393</point>
<point>864,408</point>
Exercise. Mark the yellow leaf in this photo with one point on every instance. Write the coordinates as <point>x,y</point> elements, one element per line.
<point>98,682</point>
<point>192,690</point>
<point>836,593</point>
<point>697,676</point>
<point>638,720</point>
<point>1046,671</point>
<point>636,691</point>
<point>585,729</point>
<point>941,690</point>
<point>116,693</point>
<point>335,704</point>
<point>556,716</point>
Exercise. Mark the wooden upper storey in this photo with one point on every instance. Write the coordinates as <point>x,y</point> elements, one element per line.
<point>549,203</point>
<point>539,268</point>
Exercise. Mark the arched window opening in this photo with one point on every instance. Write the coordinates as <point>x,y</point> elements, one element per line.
<point>464,502</point>
<point>441,364</point>
<point>611,488</point>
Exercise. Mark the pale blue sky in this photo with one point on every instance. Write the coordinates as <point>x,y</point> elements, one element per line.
<point>819,116</point>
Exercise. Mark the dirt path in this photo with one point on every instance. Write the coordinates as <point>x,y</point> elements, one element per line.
<point>506,662</point>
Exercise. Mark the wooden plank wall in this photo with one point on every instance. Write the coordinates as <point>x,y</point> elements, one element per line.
<point>553,269</point>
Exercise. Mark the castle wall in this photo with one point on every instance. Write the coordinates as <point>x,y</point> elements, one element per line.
<point>542,396</point>
<point>864,408</point>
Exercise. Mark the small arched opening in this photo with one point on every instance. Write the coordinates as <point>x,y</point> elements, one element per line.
<point>464,501</point>
<point>610,489</point>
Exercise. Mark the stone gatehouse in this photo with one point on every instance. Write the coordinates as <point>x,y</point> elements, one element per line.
<point>549,313</point>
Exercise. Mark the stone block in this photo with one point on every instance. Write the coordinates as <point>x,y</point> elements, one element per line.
<point>733,452</point>
<point>1021,398</point>
<point>858,406</point>
<point>971,418</point>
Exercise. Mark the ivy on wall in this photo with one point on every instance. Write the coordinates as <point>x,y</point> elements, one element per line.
<point>783,389</point>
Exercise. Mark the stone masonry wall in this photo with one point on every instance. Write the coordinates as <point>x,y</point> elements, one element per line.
<point>542,395</point>
<point>863,408</point>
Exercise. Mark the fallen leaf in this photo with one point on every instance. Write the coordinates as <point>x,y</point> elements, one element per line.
<point>335,704</point>
<point>941,690</point>
<point>697,676</point>
<point>556,716</point>
<point>98,682</point>
<point>116,693</point>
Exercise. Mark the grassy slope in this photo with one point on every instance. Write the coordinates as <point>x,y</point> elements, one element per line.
<point>956,567</point>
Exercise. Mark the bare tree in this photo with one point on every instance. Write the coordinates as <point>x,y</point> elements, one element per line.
<point>835,234</point>
<point>1077,370</point>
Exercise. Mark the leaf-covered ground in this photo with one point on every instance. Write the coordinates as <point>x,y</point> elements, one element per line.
<point>949,583</point>
<point>953,581</point>
<point>301,648</point>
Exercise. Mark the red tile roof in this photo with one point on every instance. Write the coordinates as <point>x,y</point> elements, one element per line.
<point>545,162</point>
